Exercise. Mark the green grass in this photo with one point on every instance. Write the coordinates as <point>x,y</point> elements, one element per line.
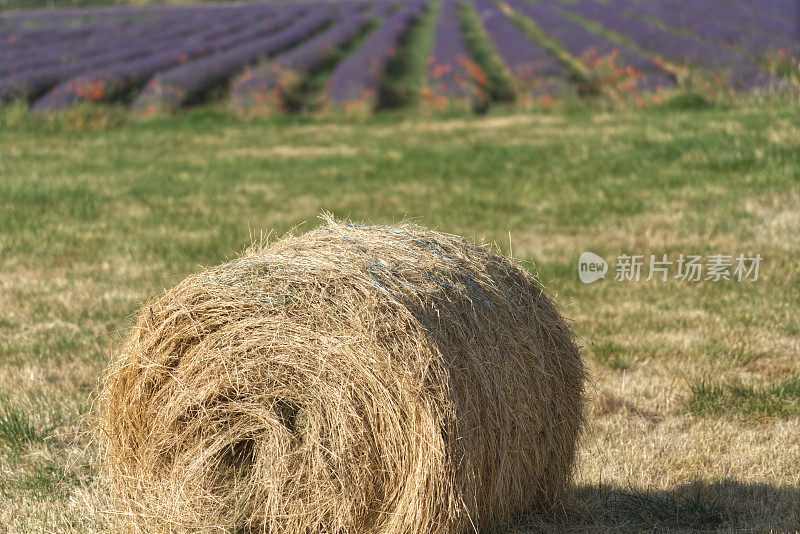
<point>100,210</point>
<point>499,84</point>
<point>692,511</point>
<point>47,480</point>
<point>780,400</point>
<point>17,429</point>
<point>407,73</point>
<point>612,355</point>
<point>686,101</point>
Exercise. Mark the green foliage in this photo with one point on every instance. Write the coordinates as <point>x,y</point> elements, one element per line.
<point>686,101</point>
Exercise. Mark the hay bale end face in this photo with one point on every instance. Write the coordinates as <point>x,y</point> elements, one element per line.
<point>352,379</point>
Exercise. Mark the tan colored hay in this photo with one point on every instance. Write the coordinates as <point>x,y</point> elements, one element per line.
<point>307,387</point>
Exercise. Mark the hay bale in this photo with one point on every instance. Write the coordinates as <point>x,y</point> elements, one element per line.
<point>352,379</point>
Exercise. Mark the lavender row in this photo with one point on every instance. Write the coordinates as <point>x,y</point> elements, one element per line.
<point>452,75</point>
<point>62,54</point>
<point>772,24</point>
<point>173,88</point>
<point>592,47</point>
<point>22,51</point>
<point>16,42</point>
<point>117,19</point>
<point>18,20</point>
<point>31,28</point>
<point>381,9</point>
<point>107,37</point>
<point>111,81</point>
<point>270,86</point>
<point>175,53</point>
<point>31,83</point>
<point>356,80</point>
<point>534,70</point>
<point>673,47</point>
<point>755,31</point>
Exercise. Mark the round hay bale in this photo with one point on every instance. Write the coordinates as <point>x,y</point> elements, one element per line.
<point>352,379</point>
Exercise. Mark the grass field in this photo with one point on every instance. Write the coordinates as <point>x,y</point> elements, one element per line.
<point>694,406</point>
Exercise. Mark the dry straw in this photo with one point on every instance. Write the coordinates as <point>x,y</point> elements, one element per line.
<point>353,379</point>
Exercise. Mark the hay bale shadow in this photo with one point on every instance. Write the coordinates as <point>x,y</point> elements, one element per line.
<point>693,507</point>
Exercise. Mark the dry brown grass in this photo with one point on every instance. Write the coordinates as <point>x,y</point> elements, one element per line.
<point>352,379</point>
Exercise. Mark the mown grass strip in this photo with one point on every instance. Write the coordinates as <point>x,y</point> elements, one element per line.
<point>499,84</point>
<point>406,73</point>
<point>781,400</point>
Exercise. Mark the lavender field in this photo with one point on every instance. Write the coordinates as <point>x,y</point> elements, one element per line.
<point>162,58</point>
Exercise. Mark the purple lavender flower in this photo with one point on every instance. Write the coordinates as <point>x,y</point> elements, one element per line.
<point>109,82</point>
<point>528,63</point>
<point>453,78</point>
<point>173,88</point>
